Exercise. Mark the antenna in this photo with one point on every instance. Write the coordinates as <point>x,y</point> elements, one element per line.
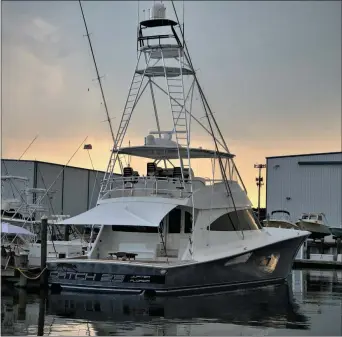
<point>183,24</point>
<point>28,147</point>
<point>138,28</point>
<point>97,73</point>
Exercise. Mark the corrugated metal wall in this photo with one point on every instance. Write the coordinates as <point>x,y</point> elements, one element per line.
<point>74,189</point>
<point>305,188</point>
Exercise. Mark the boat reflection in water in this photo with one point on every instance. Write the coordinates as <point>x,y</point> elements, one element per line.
<point>271,306</point>
<point>310,304</point>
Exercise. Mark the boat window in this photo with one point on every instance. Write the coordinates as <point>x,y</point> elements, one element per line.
<point>240,220</point>
<point>304,217</point>
<point>175,221</point>
<point>135,229</point>
<point>187,222</point>
<point>313,217</point>
<point>320,218</point>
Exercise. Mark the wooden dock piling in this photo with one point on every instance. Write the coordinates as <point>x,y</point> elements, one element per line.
<point>43,252</point>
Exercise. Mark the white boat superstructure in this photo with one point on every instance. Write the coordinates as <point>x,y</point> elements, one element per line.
<point>165,226</point>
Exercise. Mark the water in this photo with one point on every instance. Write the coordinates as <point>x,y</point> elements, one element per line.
<point>310,304</point>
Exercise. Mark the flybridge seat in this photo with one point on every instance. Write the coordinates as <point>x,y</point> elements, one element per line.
<point>153,170</point>
<point>128,172</point>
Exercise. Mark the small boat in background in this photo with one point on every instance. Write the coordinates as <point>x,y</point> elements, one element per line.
<point>314,223</point>
<point>282,219</point>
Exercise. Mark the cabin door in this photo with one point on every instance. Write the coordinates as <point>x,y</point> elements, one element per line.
<point>177,230</point>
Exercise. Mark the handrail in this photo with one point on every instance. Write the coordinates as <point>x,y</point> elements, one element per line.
<point>150,184</point>
<point>153,178</point>
<point>153,191</point>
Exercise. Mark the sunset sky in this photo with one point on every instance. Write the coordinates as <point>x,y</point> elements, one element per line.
<point>270,70</point>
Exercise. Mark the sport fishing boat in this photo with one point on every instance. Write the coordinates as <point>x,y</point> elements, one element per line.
<point>167,227</point>
<point>314,223</point>
<point>280,219</point>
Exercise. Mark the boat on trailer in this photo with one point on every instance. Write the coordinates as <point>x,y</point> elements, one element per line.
<point>166,228</point>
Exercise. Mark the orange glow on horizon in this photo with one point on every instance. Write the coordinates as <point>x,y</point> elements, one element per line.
<point>246,156</point>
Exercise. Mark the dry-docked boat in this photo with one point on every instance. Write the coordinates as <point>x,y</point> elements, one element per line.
<point>167,228</point>
<point>314,223</point>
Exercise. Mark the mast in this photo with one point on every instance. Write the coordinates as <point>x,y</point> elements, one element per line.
<point>158,51</point>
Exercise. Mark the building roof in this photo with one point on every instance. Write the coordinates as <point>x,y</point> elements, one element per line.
<point>48,163</point>
<point>305,154</point>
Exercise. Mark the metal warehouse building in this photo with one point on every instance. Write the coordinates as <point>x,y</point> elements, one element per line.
<point>306,183</point>
<point>72,191</point>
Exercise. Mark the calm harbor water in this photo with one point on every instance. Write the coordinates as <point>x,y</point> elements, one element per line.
<point>309,304</point>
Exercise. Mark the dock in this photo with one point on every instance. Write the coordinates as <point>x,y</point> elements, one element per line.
<point>319,255</point>
<point>21,277</point>
<point>316,264</point>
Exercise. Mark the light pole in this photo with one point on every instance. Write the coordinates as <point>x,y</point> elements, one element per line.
<point>259,182</point>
